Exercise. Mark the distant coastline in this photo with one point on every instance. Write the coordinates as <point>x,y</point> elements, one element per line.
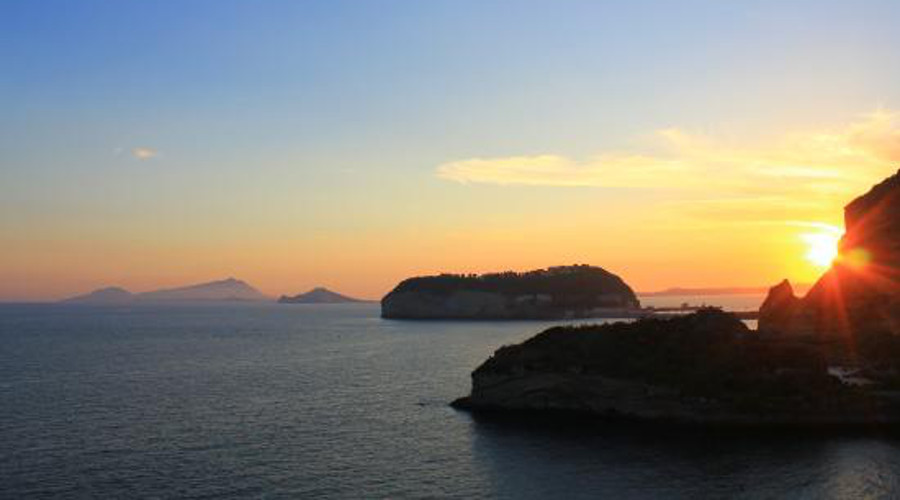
<point>712,291</point>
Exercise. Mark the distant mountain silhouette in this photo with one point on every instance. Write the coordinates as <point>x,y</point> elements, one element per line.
<point>224,290</point>
<point>109,295</point>
<point>318,295</point>
<point>228,289</point>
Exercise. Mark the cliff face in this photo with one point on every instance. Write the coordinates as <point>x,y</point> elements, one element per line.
<point>705,367</point>
<point>563,292</point>
<point>460,304</point>
<point>860,293</point>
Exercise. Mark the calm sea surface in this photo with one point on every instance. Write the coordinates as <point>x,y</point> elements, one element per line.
<point>281,401</point>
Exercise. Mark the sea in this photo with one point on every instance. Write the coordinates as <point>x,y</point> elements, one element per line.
<point>331,401</point>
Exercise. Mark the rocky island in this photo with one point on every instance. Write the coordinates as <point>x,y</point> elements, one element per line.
<point>831,357</point>
<point>578,291</point>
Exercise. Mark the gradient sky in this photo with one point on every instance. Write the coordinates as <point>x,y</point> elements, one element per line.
<point>352,144</point>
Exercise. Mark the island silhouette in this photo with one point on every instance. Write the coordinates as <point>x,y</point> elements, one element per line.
<point>226,290</point>
<point>578,291</point>
<point>229,289</point>
<point>319,295</point>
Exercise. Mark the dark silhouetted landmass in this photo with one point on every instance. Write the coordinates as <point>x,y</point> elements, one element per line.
<point>318,295</point>
<point>859,296</point>
<point>706,367</point>
<point>224,290</point>
<point>557,292</point>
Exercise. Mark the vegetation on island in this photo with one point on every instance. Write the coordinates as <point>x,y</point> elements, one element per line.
<point>570,286</point>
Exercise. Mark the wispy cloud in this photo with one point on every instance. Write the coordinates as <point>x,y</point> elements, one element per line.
<point>552,170</point>
<point>144,153</point>
<point>823,162</point>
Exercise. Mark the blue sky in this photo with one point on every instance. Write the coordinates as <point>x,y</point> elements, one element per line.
<point>329,119</point>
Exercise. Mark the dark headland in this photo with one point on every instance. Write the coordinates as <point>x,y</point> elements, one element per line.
<point>829,358</point>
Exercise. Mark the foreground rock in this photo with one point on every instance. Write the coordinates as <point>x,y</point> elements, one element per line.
<point>705,367</point>
<point>859,296</point>
<point>558,292</point>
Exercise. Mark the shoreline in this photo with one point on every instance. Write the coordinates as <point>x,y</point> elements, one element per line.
<point>651,312</point>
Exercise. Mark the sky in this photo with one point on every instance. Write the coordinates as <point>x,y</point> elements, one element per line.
<point>294,144</point>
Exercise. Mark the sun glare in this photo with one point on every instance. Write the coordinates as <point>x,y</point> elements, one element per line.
<point>822,247</point>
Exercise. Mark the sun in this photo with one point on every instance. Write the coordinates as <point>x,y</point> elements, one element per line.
<point>821,247</point>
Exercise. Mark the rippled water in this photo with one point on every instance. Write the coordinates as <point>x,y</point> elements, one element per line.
<point>281,401</point>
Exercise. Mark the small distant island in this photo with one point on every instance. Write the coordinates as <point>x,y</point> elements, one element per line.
<point>578,291</point>
<point>831,357</point>
<point>319,295</point>
<point>226,290</point>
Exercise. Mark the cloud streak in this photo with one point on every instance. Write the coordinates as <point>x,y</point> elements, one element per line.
<point>823,162</point>
<point>144,153</point>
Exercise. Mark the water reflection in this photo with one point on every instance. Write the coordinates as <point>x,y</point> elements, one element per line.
<point>541,459</point>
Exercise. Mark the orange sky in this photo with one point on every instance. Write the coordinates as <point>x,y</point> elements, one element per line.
<point>698,212</point>
<point>352,145</point>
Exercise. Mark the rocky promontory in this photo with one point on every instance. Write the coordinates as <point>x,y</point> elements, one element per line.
<point>558,292</point>
<point>831,357</point>
<point>703,368</point>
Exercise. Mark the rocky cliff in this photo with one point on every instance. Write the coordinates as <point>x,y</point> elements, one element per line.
<point>558,292</point>
<point>860,294</point>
